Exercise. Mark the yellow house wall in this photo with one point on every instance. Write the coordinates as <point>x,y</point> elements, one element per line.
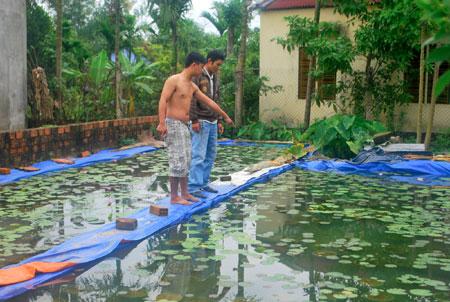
<point>281,67</point>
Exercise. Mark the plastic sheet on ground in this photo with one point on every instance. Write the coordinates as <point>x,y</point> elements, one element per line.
<point>419,172</point>
<point>50,166</point>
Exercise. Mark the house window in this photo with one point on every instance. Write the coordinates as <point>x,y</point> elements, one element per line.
<point>326,84</point>
<point>412,80</point>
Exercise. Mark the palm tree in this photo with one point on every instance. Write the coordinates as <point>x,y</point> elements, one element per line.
<point>216,18</point>
<point>117,21</point>
<point>59,14</point>
<point>226,18</point>
<point>233,15</point>
<point>166,14</point>
<point>240,67</point>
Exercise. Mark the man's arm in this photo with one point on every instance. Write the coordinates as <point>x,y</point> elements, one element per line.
<point>166,94</point>
<point>193,116</point>
<point>218,101</point>
<point>211,104</point>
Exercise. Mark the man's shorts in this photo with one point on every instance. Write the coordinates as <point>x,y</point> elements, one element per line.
<point>178,141</point>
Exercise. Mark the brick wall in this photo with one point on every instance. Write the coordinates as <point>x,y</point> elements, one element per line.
<point>24,147</point>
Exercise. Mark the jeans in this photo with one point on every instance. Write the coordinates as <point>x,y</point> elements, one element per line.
<point>203,155</point>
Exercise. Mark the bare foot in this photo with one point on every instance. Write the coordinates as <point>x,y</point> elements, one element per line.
<point>190,197</point>
<point>179,200</point>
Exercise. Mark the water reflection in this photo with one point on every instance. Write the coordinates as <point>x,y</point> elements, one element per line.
<point>302,237</point>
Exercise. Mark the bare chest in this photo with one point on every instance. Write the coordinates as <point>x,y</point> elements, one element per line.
<point>184,91</point>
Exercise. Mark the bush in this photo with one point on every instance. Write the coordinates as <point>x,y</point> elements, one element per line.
<point>341,136</point>
<point>273,131</point>
<point>441,142</point>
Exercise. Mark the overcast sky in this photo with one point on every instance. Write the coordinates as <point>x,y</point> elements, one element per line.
<point>198,6</point>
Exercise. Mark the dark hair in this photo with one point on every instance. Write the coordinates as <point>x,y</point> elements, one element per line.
<point>194,57</point>
<point>215,55</point>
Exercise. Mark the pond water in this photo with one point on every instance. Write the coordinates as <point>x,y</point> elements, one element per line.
<point>304,236</point>
<point>43,211</point>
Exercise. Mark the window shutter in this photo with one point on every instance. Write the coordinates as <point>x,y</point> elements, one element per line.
<point>303,69</point>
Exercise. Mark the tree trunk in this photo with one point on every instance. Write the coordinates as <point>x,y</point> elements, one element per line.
<point>132,107</point>
<point>59,16</point>
<point>116,55</point>
<point>174,47</point>
<point>368,98</point>
<point>421,87</point>
<point>432,106</point>
<point>230,41</point>
<point>311,81</point>
<point>427,77</point>
<point>240,67</point>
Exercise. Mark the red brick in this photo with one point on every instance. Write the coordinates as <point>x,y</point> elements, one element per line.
<point>85,153</point>
<point>128,224</point>
<point>60,130</point>
<point>159,210</point>
<point>63,161</point>
<point>41,131</point>
<point>47,131</point>
<point>5,171</point>
<point>19,134</point>
<point>28,169</point>
<point>67,129</point>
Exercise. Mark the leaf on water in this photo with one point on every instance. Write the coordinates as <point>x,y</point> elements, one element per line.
<point>421,292</point>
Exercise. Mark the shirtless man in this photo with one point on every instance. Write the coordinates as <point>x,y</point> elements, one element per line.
<point>173,112</point>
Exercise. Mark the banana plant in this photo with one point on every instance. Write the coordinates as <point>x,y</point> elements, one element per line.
<point>136,77</point>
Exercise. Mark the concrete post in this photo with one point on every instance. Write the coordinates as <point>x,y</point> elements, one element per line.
<point>13,64</point>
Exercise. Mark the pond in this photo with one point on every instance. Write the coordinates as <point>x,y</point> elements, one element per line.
<point>304,236</point>
<point>43,211</point>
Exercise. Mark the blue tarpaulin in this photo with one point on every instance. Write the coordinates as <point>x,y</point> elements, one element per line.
<point>420,172</point>
<point>50,166</point>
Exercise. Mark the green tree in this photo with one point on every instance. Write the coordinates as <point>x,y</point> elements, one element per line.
<point>437,13</point>
<point>329,51</point>
<point>78,12</point>
<point>240,67</point>
<point>387,53</point>
<point>117,21</point>
<point>40,38</point>
<point>59,21</point>
<point>40,53</point>
<point>312,68</point>
<point>226,17</point>
<point>167,14</point>
<point>233,14</point>
<point>216,18</point>
<point>421,86</point>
